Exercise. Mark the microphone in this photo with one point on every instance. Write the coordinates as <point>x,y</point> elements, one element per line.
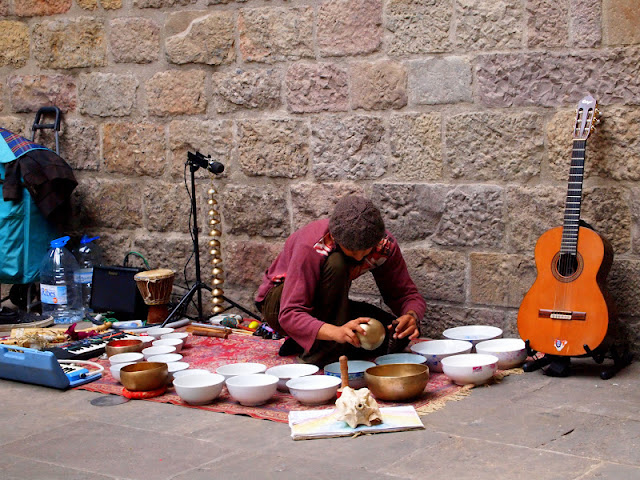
<point>201,161</point>
<point>215,167</point>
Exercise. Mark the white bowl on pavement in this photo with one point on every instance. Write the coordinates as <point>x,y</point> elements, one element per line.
<point>473,333</point>
<point>511,352</point>
<point>253,389</point>
<point>314,389</point>
<point>115,369</point>
<point>160,350</point>
<point>165,358</point>
<point>171,342</point>
<point>129,357</point>
<point>198,389</point>
<point>157,332</point>
<point>289,371</point>
<point>234,369</point>
<point>356,370</point>
<point>470,368</point>
<point>435,350</point>
<point>190,371</point>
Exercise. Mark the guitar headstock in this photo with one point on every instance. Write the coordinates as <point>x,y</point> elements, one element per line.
<point>587,117</point>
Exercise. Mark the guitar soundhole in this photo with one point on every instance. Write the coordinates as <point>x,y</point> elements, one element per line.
<point>567,266</point>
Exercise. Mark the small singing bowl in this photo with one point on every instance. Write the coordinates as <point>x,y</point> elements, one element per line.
<point>115,347</point>
<point>144,376</point>
<point>397,381</point>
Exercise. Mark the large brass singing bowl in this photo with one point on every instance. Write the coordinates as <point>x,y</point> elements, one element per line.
<point>115,347</point>
<point>144,376</point>
<point>397,381</point>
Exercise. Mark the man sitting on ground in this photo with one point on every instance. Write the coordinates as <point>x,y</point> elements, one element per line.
<point>305,292</point>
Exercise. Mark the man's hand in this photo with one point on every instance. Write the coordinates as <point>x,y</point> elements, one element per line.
<point>405,326</point>
<point>344,334</point>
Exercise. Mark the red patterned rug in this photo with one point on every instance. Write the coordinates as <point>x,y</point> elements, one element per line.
<point>211,352</point>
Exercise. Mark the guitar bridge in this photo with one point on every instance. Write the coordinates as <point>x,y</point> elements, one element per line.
<point>562,314</point>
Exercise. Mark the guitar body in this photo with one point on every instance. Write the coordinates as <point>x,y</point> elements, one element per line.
<point>562,313</point>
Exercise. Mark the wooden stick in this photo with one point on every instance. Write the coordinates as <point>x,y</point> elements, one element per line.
<point>344,371</point>
<point>207,332</point>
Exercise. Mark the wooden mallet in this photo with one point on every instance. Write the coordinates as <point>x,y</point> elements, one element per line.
<point>344,374</point>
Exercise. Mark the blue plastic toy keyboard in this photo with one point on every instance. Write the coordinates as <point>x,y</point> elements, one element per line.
<point>43,368</point>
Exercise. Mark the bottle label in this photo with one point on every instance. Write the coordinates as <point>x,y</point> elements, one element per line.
<point>53,294</point>
<point>84,275</point>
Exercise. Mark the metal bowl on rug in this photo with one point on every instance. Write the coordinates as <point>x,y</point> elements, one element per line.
<point>144,376</point>
<point>115,347</point>
<point>397,381</point>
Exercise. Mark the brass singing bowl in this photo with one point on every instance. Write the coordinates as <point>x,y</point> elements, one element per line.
<point>397,381</point>
<point>144,376</point>
<point>123,346</point>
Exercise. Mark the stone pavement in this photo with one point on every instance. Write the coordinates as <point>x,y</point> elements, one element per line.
<point>527,426</point>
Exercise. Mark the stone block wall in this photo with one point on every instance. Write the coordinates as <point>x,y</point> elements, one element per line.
<point>455,116</point>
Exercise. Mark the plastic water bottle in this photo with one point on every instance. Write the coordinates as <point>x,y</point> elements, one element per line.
<point>87,255</point>
<point>60,295</point>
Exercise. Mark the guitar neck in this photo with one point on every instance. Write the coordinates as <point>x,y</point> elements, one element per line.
<point>573,202</point>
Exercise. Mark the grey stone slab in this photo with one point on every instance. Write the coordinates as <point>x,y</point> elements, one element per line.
<point>14,468</point>
<point>115,450</point>
<point>613,471</point>
<point>458,457</point>
<point>584,391</point>
<point>253,434</point>
<point>373,451</point>
<point>531,426</point>
<point>575,428</point>
<point>282,465</point>
<point>20,401</point>
<point>161,417</point>
<point>607,439</point>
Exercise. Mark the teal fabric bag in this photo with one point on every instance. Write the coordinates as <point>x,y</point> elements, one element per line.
<point>25,233</point>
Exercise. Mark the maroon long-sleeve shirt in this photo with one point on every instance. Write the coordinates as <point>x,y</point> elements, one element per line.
<point>300,263</point>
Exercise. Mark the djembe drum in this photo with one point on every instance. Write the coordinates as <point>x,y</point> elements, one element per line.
<point>155,287</point>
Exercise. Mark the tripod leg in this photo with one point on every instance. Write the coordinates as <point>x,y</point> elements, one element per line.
<point>240,307</point>
<point>184,300</point>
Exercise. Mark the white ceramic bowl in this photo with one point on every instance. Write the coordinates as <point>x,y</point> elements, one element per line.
<point>175,367</point>
<point>475,368</point>
<point>147,340</point>
<point>179,335</point>
<point>400,358</point>
<point>314,389</point>
<point>253,389</point>
<point>172,342</point>
<point>157,332</point>
<point>129,357</point>
<point>190,371</point>
<point>115,369</point>
<point>473,333</point>
<point>511,352</point>
<point>198,389</point>
<point>162,350</point>
<point>356,372</point>
<point>165,358</point>
<point>287,372</point>
<point>234,369</point>
<point>435,350</point>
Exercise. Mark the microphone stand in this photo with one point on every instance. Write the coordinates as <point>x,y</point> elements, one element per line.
<point>195,162</point>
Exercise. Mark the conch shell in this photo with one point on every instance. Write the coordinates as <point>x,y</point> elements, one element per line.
<point>358,407</point>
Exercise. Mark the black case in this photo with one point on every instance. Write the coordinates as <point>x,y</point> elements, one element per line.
<point>113,289</point>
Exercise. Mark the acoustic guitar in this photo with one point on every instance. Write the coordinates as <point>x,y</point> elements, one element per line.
<point>567,310</point>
